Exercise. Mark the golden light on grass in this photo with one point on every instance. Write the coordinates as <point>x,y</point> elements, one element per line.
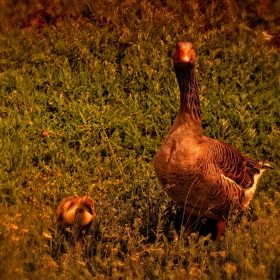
<point>15,238</point>
<point>114,251</point>
<point>230,270</point>
<point>14,227</point>
<point>52,264</point>
<point>193,235</point>
<point>195,272</point>
<point>261,270</point>
<point>81,263</point>
<point>47,235</point>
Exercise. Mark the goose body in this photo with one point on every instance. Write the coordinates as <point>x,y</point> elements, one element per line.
<point>205,176</point>
<point>75,211</point>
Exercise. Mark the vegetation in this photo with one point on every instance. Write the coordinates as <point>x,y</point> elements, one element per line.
<point>88,94</point>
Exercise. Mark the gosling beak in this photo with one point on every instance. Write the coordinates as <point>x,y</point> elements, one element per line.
<point>94,214</point>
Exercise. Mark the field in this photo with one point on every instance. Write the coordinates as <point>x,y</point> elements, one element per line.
<point>88,94</point>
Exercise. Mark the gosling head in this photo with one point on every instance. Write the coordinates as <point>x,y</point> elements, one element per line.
<point>78,211</point>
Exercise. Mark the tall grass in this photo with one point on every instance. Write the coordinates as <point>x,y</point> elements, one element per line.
<point>87,96</point>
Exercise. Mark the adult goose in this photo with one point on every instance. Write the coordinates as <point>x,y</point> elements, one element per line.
<point>75,211</point>
<point>201,174</point>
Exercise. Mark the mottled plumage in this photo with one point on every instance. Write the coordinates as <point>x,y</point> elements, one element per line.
<point>203,175</point>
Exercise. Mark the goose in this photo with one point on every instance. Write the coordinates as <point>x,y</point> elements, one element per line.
<point>75,211</point>
<point>203,175</point>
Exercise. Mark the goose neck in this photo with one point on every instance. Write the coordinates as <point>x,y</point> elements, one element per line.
<point>189,97</point>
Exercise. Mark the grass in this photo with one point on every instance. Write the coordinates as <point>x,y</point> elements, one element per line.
<point>97,77</point>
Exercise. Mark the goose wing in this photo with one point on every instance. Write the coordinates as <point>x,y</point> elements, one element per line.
<point>232,164</point>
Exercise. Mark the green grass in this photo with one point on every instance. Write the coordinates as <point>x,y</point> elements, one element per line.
<point>98,78</point>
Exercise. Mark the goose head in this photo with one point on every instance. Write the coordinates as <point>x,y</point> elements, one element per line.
<point>184,55</point>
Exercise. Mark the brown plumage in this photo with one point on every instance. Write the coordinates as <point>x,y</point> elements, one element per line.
<point>75,211</point>
<point>202,174</point>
